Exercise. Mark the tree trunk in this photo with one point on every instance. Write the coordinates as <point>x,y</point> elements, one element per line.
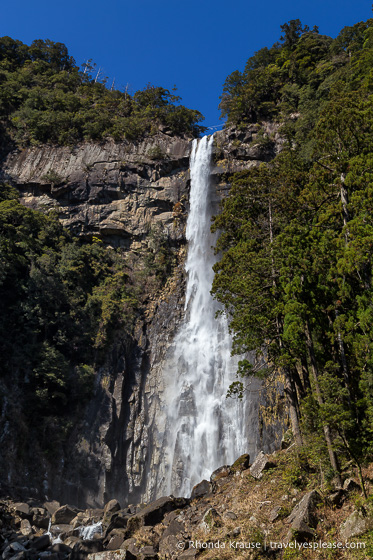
<point>293,407</point>
<point>289,388</point>
<point>342,354</point>
<point>299,383</point>
<point>320,400</point>
<point>344,200</point>
<point>305,373</point>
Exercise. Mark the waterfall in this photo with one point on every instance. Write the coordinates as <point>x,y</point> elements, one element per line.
<point>205,429</point>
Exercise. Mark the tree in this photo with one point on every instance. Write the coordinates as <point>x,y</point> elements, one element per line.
<point>295,273</point>
<point>292,31</point>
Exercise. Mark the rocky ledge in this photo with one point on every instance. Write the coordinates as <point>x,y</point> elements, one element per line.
<point>113,190</point>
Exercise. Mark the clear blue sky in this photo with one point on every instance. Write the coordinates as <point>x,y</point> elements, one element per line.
<point>193,44</point>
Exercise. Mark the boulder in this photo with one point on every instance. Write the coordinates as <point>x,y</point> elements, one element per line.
<point>64,514</point>
<point>21,555</point>
<point>170,517</point>
<point>300,531</point>
<point>221,472</point>
<point>116,522</point>
<point>147,553</point>
<point>12,549</point>
<point>201,489</point>
<point>62,529</point>
<point>350,485</point>
<point>129,543</point>
<point>174,528</point>
<point>71,541</point>
<point>356,524</point>
<point>261,464</point>
<point>155,511</point>
<point>130,547</point>
<point>40,517</point>
<point>189,554</point>
<point>275,514</point>
<point>305,510</point>
<point>230,515</point>
<point>211,519</point>
<point>112,506</point>
<point>241,464</point>
<point>337,497</point>
<point>95,514</point>
<point>115,539</point>
<point>26,528</point>
<point>61,548</point>
<point>80,519</point>
<point>41,543</point>
<point>84,548</point>
<point>22,509</point>
<point>111,555</point>
<point>168,544</point>
<point>51,507</point>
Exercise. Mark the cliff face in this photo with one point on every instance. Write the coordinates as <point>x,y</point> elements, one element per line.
<point>237,149</point>
<point>119,192</point>
<point>113,190</point>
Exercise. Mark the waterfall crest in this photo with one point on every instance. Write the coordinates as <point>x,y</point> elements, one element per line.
<point>204,429</point>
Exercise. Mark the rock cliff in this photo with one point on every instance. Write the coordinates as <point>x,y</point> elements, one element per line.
<point>119,192</point>
<point>116,191</point>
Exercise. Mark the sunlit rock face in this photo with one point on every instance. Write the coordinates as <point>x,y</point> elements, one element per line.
<point>115,190</point>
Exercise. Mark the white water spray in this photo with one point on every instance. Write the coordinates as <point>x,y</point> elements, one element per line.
<point>87,532</point>
<point>205,429</point>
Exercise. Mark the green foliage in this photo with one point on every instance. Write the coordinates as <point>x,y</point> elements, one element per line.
<point>367,551</point>
<point>296,241</point>
<point>156,153</point>
<point>7,192</point>
<point>45,97</point>
<point>52,177</point>
<point>159,260</point>
<point>61,303</point>
<point>292,80</point>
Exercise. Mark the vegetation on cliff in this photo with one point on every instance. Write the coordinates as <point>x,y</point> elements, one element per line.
<point>46,98</point>
<point>297,236</point>
<point>61,302</point>
<point>65,304</point>
<point>298,76</point>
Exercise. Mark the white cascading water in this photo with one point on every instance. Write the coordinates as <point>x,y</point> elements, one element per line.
<point>205,429</point>
<point>87,532</point>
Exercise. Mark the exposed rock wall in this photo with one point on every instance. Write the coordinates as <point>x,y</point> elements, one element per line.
<point>113,190</point>
<point>119,192</point>
<point>237,149</point>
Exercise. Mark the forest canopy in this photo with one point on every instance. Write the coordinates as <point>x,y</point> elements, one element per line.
<point>296,239</point>
<point>298,74</point>
<point>46,98</point>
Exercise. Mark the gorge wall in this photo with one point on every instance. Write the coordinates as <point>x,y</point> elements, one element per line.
<point>119,192</point>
